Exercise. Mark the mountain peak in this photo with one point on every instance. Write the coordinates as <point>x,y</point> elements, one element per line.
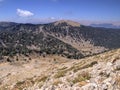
<point>68,22</point>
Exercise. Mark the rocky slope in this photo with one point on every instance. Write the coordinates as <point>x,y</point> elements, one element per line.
<point>99,72</point>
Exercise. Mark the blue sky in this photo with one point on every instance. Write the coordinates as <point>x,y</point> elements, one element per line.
<point>85,11</point>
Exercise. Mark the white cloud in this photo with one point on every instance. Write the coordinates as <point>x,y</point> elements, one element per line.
<point>24,13</point>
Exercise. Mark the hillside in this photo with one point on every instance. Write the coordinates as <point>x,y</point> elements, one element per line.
<point>62,55</point>
<point>99,72</point>
<point>64,38</point>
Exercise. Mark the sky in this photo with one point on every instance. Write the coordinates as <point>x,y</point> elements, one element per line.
<point>41,11</point>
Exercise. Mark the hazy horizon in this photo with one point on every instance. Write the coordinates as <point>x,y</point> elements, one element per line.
<point>44,11</point>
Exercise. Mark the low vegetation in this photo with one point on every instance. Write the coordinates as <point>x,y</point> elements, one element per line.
<point>60,74</point>
<point>56,82</point>
<point>117,81</point>
<point>41,79</point>
<point>81,77</point>
<point>80,66</point>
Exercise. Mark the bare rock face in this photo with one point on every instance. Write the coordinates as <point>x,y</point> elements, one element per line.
<point>68,22</point>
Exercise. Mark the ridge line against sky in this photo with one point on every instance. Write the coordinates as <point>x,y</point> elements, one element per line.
<point>41,11</point>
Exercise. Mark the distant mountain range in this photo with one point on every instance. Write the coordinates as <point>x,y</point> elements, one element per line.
<point>65,38</point>
<point>106,25</point>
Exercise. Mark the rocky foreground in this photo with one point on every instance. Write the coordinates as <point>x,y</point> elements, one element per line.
<point>99,72</point>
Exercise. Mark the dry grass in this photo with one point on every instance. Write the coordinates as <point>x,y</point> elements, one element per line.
<point>60,74</point>
<point>42,79</point>
<point>81,77</point>
<point>40,84</point>
<point>117,79</point>
<point>82,83</point>
<point>56,82</point>
<point>62,68</point>
<point>62,71</point>
<point>75,68</point>
<point>4,88</point>
<point>20,85</point>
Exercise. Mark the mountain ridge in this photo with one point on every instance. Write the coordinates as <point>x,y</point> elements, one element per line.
<point>62,39</point>
<point>106,25</point>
